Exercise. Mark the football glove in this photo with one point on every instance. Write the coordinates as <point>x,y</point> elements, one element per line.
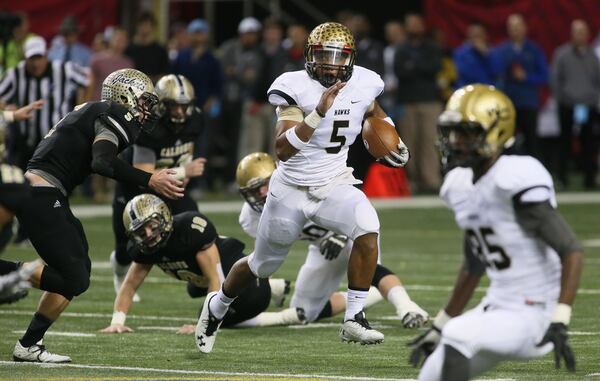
<point>396,160</point>
<point>414,316</point>
<point>425,343</point>
<point>332,246</point>
<point>557,334</point>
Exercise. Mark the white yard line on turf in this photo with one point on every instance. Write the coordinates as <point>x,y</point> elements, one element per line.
<point>68,334</point>
<point>591,243</point>
<point>157,328</point>
<point>218,373</point>
<point>419,202</point>
<point>327,325</point>
<point>108,316</point>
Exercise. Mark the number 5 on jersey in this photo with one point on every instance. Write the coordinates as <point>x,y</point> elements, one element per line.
<point>335,138</point>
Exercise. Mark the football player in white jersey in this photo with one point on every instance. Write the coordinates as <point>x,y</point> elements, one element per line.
<point>327,259</point>
<point>506,207</point>
<point>319,114</point>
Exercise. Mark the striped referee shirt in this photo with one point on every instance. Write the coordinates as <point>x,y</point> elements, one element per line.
<point>57,87</point>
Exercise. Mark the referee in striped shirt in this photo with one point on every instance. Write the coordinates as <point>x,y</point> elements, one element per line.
<point>57,83</point>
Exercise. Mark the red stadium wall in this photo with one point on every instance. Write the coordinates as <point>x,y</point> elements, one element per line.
<point>45,16</point>
<point>548,20</point>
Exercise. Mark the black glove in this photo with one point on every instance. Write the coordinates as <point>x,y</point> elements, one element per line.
<point>558,335</point>
<point>332,246</point>
<point>424,345</point>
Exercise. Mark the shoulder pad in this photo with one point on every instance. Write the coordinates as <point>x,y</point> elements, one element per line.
<point>368,81</point>
<point>518,173</point>
<point>284,90</point>
<point>458,183</point>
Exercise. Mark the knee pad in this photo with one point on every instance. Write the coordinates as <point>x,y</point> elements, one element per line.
<point>281,232</point>
<point>366,219</point>
<point>380,273</point>
<point>78,286</point>
<point>265,266</point>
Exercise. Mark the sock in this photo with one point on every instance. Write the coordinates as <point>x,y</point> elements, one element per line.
<point>219,304</point>
<point>288,316</point>
<point>373,297</point>
<point>398,297</point>
<point>36,330</point>
<point>277,286</point>
<point>355,302</point>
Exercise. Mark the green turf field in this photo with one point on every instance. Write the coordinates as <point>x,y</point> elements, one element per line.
<point>422,245</point>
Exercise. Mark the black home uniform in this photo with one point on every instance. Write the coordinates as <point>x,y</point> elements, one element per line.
<point>170,145</point>
<point>193,232</point>
<point>64,158</point>
<point>14,194</point>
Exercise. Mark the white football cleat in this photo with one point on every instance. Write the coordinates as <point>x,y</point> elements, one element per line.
<point>358,330</point>
<point>413,316</point>
<point>207,327</point>
<point>37,353</point>
<point>119,272</point>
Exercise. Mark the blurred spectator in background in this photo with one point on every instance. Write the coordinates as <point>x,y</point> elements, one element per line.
<point>15,31</point>
<point>258,126</point>
<point>66,46</point>
<point>147,54</point>
<point>105,62</point>
<point>417,63</point>
<point>99,43</point>
<point>179,39</point>
<point>198,64</point>
<point>520,68</point>
<point>295,43</point>
<point>394,36</point>
<point>576,87</point>
<point>446,77</point>
<point>242,59</point>
<point>472,58</point>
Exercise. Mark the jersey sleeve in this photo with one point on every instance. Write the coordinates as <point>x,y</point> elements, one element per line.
<point>456,187</point>
<point>249,219</point>
<point>281,92</point>
<point>199,232</point>
<point>524,179</point>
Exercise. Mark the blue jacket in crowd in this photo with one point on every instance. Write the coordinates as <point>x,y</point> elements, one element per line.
<point>204,73</point>
<point>472,66</point>
<point>524,94</point>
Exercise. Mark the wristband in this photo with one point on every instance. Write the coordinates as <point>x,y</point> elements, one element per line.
<point>389,120</point>
<point>313,119</point>
<point>294,140</point>
<point>562,314</point>
<point>118,318</point>
<point>441,319</point>
<point>9,116</point>
<point>179,173</point>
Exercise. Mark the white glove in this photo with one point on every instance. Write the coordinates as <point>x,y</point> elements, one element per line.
<point>396,160</point>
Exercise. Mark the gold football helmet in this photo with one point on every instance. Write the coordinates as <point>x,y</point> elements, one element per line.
<point>477,124</point>
<point>148,222</point>
<point>330,53</point>
<point>134,90</point>
<point>252,175</point>
<point>176,95</point>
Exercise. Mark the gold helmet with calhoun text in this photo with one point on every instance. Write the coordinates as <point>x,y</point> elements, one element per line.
<point>175,90</point>
<point>148,221</point>
<point>330,53</point>
<point>477,124</point>
<point>252,175</point>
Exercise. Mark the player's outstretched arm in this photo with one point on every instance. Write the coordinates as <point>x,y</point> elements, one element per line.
<point>210,264</point>
<point>135,277</point>
<point>293,133</point>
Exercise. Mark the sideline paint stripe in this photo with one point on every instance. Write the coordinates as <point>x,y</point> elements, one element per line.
<point>68,334</point>
<point>220,373</point>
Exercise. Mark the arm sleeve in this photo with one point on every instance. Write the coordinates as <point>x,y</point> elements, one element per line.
<point>143,155</point>
<point>542,220</point>
<point>106,163</point>
<point>472,263</point>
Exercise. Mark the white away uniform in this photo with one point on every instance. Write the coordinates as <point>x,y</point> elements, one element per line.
<point>524,271</point>
<point>315,183</point>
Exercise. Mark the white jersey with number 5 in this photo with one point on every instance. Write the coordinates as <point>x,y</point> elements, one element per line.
<point>325,156</point>
<point>522,268</point>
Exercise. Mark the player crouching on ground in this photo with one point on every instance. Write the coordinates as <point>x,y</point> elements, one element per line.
<point>506,206</point>
<point>327,259</point>
<point>187,247</point>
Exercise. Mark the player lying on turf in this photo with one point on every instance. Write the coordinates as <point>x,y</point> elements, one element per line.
<point>327,259</point>
<point>506,207</point>
<point>187,247</point>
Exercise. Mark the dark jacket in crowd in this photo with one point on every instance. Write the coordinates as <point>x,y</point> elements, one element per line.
<point>204,73</point>
<point>575,76</point>
<point>152,59</point>
<point>524,94</point>
<point>416,66</point>
<point>369,54</point>
<point>472,66</point>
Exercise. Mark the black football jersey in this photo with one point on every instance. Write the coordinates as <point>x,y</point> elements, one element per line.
<point>192,232</point>
<point>66,151</point>
<point>14,188</point>
<point>173,146</point>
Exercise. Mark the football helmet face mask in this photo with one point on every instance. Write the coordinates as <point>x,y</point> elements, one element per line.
<point>176,96</point>
<point>148,222</point>
<point>330,54</point>
<point>477,124</point>
<point>252,175</point>
<point>134,90</point>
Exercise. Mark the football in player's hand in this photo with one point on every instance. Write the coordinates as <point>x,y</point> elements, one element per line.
<point>379,137</point>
